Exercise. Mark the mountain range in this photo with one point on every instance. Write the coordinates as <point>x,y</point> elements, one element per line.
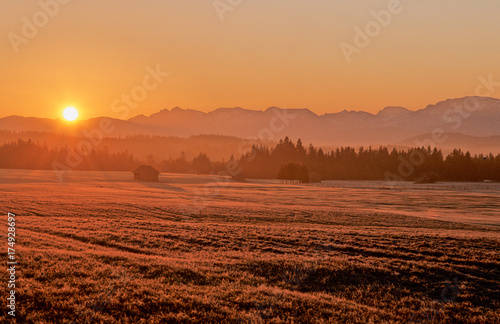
<point>471,118</point>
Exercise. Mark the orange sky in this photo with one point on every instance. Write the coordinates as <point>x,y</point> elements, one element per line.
<point>284,53</point>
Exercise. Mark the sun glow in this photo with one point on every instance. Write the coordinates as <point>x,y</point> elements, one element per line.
<point>70,113</point>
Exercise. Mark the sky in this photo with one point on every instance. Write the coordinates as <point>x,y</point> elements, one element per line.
<point>121,58</point>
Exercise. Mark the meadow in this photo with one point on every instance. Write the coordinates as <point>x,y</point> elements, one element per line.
<point>101,248</point>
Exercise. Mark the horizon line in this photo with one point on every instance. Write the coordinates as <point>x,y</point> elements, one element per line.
<point>261,110</point>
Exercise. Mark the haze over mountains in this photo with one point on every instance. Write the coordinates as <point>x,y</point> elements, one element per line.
<point>465,120</point>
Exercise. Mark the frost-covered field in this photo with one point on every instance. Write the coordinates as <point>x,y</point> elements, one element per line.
<point>99,247</point>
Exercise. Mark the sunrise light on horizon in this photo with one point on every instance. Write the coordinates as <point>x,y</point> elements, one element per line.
<point>237,161</point>
<point>326,56</point>
<point>70,113</point>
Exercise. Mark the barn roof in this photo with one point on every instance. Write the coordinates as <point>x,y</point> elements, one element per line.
<point>145,168</point>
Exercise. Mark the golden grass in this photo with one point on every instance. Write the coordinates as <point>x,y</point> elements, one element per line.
<point>116,252</point>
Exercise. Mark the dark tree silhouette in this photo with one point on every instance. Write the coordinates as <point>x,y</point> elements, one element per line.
<point>202,164</point>
<point>286,161</point>
<point>293,172</point>
<point>346,163</point>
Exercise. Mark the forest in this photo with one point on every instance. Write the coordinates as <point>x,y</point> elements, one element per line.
<point>287,161</point>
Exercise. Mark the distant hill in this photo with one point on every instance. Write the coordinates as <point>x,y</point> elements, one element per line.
<point>216,147</point>
<point>473,144</point>
<point>471,116</point>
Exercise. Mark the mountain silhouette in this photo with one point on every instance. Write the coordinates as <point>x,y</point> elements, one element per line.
<point>475,117</point>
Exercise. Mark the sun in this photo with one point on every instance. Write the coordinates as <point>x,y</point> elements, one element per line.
<point>70,113</point>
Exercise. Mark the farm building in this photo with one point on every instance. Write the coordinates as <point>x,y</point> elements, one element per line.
<point>146,173</point>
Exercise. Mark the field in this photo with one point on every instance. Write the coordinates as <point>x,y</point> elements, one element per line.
<point>101,248</point>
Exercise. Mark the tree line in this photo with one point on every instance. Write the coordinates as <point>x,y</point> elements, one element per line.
<point>346,163</point>
<point>27,154</point>
<point>287,161</point>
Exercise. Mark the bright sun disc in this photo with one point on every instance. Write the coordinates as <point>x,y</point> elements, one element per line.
<point>70,113</point>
